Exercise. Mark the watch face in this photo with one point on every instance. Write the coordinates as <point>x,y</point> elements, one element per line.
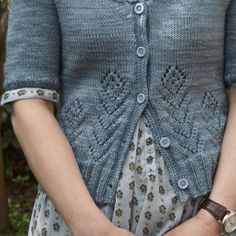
<point>230,223</point>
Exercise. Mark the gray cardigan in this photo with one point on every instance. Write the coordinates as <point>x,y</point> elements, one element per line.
<point>111,60</point>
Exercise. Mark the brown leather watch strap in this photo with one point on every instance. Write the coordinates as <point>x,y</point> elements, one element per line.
<point>214,208</point>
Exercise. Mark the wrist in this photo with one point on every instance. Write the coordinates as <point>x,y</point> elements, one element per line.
<point>224,199</point>
<point>209,220</point>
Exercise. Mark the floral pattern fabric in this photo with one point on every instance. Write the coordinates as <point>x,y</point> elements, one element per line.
<point>24,93</point>
<point>146,203</point>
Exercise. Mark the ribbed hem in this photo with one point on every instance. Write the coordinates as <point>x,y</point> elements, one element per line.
<point>199,182</point>
<point>102,177</point>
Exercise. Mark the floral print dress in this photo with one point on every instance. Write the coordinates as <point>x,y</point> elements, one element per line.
<point>146,203</point>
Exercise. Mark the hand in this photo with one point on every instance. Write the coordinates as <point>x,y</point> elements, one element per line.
<point>202,224</point>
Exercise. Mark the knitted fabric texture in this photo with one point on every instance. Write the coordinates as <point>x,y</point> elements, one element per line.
<point>111,60</point>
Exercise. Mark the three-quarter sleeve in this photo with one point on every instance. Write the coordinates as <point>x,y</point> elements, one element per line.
<point>230,45</point>
<point>32,58</point>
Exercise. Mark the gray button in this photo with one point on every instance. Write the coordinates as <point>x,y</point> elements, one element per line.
<point>141,98</point>
<point>183,183</point>
<point>150,149</point>
<point>165,142</point>
<point>138,8</point>
<point>141,51</point>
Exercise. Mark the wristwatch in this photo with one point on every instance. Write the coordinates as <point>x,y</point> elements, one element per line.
<point>225,217</point>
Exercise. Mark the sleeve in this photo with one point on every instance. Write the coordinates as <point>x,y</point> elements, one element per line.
<point>32,56</point>
<point>230,45</point>
<point>24,93</point>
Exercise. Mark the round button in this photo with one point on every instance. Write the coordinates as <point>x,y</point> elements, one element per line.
<point>165,142</point>
<point>141,51</point>
<point>183,183</point>
<point>138,8</point>
<point>150,149</point>
<point>141,98</point>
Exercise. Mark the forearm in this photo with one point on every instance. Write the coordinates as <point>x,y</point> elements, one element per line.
<point>224,186</point>
<point>52,161</point>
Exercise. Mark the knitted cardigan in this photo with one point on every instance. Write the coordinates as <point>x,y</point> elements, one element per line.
<point>111,60</point>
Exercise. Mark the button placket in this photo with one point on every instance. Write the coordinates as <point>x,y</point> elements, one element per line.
<point>141,51</point>
<point>150,152</point>
<point>150,163</point>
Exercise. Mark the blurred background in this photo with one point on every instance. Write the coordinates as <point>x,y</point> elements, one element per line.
<point>18,187</point>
